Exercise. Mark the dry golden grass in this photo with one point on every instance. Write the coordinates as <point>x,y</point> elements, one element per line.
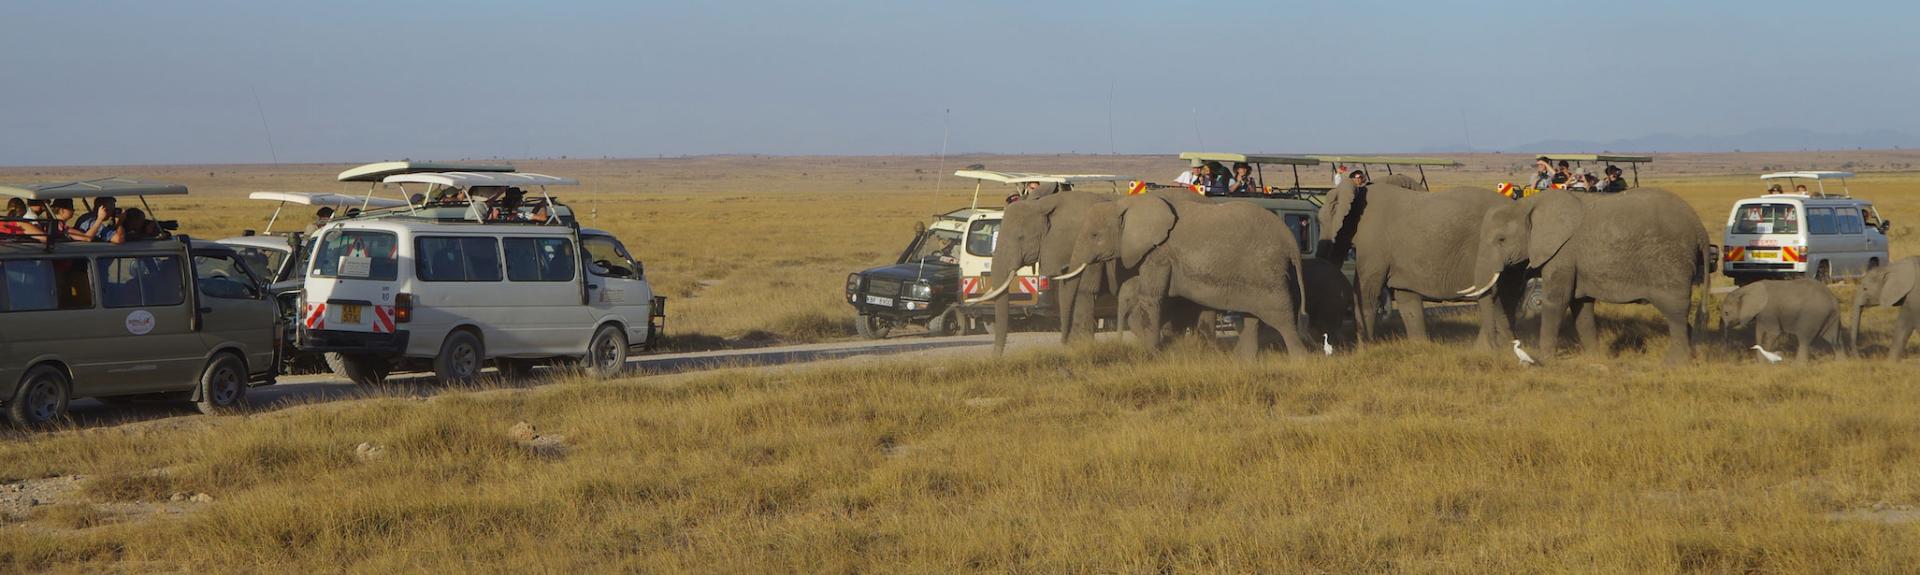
<point>1429,458</point>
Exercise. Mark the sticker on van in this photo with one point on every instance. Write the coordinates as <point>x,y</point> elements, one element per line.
<point>355,266</point>
<point>140,322</point>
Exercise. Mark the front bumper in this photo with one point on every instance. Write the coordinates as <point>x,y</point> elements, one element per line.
<point>896,309</point>
<point>332,341</point>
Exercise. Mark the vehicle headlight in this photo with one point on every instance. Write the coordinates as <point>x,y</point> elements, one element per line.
<point>920,291</point>
<point>853,283</point>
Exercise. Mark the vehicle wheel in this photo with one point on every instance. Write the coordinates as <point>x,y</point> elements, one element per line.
<point>945,324</point>
<point>41,399</point>
<point>460,359</point>
<point>871,327</point>
<point>1535,298</point>
<point>606,353</point>
<point>1824,273</point>
<point>512,368</point>
<point>223,385</point>
<point>1873,263</point>
<point>359,369</point>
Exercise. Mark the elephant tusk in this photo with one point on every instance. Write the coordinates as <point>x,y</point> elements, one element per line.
<point>990,296</point>
<point>1072,274</point>
<point>1476,292</point>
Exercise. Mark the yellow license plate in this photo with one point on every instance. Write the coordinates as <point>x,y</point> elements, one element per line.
<point>349,313</point>
<point>1764,254</point>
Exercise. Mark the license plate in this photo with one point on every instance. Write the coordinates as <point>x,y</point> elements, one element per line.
<point>349,313</point>
<point>877,300</point>
<point>1763,254</point>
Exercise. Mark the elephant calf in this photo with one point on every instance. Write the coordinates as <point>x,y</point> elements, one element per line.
<point>1889,286</point>
<point>1800,307</point>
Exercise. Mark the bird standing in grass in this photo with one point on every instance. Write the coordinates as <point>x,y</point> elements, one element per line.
<point>1522,354</point>
<point>1771,357</point>
<point>1326,344</point>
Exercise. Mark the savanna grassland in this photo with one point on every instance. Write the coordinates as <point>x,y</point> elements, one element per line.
<point>1101,458</point>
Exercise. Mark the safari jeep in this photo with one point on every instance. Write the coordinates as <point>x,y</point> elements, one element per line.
<point>167,318</point>
<point>1804,234</point>
<point>918,288</point>
<point>482,270</point>
<point>1030,297</point>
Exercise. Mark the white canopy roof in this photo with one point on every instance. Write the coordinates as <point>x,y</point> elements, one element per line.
<point>1022,177</point>
<point>326,199</point>
<point>100,188</point>
<point>1807,175</point>
<point>471,179</point>
<point>375,171</point>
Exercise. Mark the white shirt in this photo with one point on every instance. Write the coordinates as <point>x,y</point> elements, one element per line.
<point>1186,178</point>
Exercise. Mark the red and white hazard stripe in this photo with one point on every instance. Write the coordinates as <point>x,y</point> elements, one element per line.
<point>316,316</point>
<point>382,319</point>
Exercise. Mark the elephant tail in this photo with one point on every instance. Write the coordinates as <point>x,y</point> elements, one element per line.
<point>1300,303</point>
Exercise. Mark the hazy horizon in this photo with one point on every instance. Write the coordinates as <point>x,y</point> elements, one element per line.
<point>135,83</point>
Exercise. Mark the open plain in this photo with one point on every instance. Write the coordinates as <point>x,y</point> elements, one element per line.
<point>1100,458</point>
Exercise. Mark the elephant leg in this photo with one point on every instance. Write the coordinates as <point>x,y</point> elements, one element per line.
<point>1084,320</point>
<point>1550,315</point>
<point>1901,329</point>
<point>1369,308</point>
<point>1679,345</point>
<point>1281,318</point>
<point>1804,347</point>
<point>1586,325</point>
<point>1413,314</point>
<point>1249,347</point>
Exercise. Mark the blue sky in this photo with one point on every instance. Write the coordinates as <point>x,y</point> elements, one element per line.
<point>175,82</point>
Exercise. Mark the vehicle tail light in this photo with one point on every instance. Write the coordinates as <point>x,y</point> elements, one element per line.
<point>1735,254</point>
<point>1042,283</point>
<point>403,308</point>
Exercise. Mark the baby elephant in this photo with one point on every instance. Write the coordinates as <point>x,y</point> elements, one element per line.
<point>1801,307</point>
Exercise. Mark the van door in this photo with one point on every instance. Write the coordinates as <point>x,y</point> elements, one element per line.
<point>49,311</point>
<point>354,279</point>
<point>545,313</point>
<point>234,308</point>
<point>154,347</point>
<point>616,288</point>
<point>1764,237</point>
<point>1852,237</point>
<point>1876,240</point>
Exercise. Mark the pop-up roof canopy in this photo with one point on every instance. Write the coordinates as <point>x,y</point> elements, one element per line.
<point>326,199</point>
<point>1386,160</point>
<point>1807,176</point>
<point>378,171</point>
<point>1599,158</point>
<point>100,188</point>
<point>474,179</point>
<point>1023,177</point>
<point>1196,157</point>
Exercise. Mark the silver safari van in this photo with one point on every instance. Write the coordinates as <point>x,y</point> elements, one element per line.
<point>167,318</point>
<point>1806,233</point>
<point>482,271</point>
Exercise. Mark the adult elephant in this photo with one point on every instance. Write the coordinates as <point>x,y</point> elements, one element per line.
<point>1420,245</point>
<point>1639,246</point>
<point>1042,231</point>
<point>1225,256</point>
<point>1889,286</point>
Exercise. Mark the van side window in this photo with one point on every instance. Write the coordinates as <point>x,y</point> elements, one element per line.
<point>1849,220</point>
<point>981,236</point>
<point>358,254</point>
<point>1869,217</point>
<point>446,259</point>
<point>608,257</point>
<point>140,281</point>
<point>1767,219</point>
<point>261,260</point>
<point>539,259</point>
<point>1820,221</point>
<point>1302,231</point>
<point>46,284</point>
<point>223,277</point>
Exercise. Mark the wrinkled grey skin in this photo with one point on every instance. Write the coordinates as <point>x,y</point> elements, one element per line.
<point>1422,246</point>
<point>1643,245</point>
<point>1177,316</point>
<point>1803,308</point>
<point>1330,301</point>
<point>1889,286</point>
<point>1228,257</point>
<point>1042,230</point>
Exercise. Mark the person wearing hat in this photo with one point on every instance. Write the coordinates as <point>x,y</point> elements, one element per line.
<point>1612,183</point>
<point>1775,189</point>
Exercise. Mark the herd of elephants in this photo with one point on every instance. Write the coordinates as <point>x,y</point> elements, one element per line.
<point>1172,258</point>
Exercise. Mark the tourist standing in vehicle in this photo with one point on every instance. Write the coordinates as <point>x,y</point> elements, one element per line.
<point>14,223</point>
<point>1542,174</point>
<point>98,225</point>
<point>133,226</point>
<point>1189,177</point>
<point>1613,183</point>
<point>1242,182</point>
<point>1800,189</point>
<point>320,218</point>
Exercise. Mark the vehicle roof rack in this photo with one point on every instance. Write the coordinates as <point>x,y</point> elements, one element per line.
<point>102,188</point>
<point>378,171</point>
<point>1197,157</point>
<point>1818,178</point>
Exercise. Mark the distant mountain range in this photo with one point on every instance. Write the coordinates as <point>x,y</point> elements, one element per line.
<point>1762,140</point>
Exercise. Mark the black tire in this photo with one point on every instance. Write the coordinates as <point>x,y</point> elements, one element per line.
<point>41,398</point>
<point>1873,263</point>
<point>223,386</point>
<point>871,327</point>
<point>606,353</point>
<point>1823,273</point>
<point>512,368</point>
<point>945,324</point>
<point>359,369</point>
<point>461,358</point>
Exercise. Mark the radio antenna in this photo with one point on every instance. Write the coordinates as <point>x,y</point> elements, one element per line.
<point>264,127</point>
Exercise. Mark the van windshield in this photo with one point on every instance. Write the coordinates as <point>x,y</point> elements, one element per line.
<point>1767,219</point>
<point>358,254</point>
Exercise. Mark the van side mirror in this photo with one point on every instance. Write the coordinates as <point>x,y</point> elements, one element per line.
<point>1885,225</point>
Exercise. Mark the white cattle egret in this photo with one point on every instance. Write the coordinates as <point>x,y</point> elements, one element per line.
<point>1522,354</point>
<point>1770,356</point>
<point>1326,344</point>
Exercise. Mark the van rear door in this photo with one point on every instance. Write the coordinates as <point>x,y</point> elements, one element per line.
<point>353,281</point>
<point>1765,236</point>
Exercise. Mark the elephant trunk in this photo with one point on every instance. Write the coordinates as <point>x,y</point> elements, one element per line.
<point>1000,322</point>
<point>1853,334</point>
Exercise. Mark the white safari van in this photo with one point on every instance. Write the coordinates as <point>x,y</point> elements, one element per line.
<point>1804,233</point>
<point>482,269</point>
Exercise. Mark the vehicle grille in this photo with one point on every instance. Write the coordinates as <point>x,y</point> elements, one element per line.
<point>883,287</point>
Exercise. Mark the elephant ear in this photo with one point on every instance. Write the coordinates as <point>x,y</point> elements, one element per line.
<point>1750,303</point>
<point>1901,278</point>
<point>1333,214</point>
<point>1551,222</point>
<point>1145,223</point>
